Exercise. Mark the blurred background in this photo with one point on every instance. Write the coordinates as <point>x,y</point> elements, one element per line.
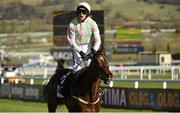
<point>141,39</point>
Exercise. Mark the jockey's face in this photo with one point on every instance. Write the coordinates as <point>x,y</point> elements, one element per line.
<point>82,14</point>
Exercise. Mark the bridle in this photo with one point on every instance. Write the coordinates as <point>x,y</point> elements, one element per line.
<point>103,69</point>
<point>103,72</point>
<point>86,102</point>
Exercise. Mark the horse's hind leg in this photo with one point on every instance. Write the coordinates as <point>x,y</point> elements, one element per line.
<point>52,107</point>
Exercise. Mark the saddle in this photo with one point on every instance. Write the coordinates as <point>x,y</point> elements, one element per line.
<point>71,79</point>
<point>75,79</point>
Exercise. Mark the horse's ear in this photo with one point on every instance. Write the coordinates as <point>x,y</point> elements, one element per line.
<point>101,49</point>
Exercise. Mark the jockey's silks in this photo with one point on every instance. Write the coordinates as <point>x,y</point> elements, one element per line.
<point>83,33</point>
<point>83,36</point>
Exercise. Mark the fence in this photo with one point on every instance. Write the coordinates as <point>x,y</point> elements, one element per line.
<point>146,71</point>
<point>142,73</point>
<point>157,99</point>
<point>145,74</point>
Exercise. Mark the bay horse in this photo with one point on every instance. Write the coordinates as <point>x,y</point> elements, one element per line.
<point>83,90</point>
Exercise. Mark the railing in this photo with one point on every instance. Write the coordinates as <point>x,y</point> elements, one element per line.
<point>143,73</point>
<point>32,74</point>
<point>38,71</point>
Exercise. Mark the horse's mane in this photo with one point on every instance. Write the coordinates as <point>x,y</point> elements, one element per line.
<point>78,75</point>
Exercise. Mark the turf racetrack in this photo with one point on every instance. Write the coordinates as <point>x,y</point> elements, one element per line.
<point>9,105</point>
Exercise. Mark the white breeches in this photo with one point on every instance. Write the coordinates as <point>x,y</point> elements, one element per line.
<point>78,62</point>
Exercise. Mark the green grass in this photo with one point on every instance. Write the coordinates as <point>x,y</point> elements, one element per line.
<point>21,106</point>
<point>142,9</point>
<point>131,84</point>
<point>7,105</point>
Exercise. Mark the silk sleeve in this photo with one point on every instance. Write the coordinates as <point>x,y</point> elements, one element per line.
<point>71,37</point>
<point>97,38</point>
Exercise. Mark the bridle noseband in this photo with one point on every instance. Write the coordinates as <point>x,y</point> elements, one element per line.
<point>103,69</point>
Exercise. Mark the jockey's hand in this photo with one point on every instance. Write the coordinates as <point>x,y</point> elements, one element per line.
<point>83,55</point>
<point>90,55</point>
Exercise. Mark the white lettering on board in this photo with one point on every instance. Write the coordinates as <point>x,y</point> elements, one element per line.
<point>33,92</point>
<point>17,91</point>
<point>115,97</point>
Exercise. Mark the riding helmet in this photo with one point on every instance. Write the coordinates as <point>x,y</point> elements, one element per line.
<point>83,6</point>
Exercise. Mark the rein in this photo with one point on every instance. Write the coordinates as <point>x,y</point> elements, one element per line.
<point>86,102</point>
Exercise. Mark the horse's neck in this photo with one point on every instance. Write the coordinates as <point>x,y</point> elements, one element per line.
<point>91,75</point>
<point>92,82</point>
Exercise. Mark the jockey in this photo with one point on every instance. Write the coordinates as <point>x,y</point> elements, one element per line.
<point>83,36</point>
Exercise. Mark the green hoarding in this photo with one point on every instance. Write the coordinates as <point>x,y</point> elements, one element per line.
<point>129,34</point>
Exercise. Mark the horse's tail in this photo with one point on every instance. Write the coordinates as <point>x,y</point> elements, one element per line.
<point>60,64</point>
<point>44,92</point>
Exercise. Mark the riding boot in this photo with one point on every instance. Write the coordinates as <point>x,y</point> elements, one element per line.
<point>61,87</point>
<point>60,91</point>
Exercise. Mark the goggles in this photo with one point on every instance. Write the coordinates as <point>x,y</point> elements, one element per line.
<point>82,11</point>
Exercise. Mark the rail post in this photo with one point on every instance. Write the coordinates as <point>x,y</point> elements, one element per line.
<point>31,81</point>
<point>111,84</point>
<point>2,80</point>
<point>149,74</point>
<point>136,84</point>
<point>141,73</point>
<point>45,76</point>
<point>172,73</point>
<point>164,85</point>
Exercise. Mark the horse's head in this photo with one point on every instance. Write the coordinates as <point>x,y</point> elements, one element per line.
<point>102,65</point>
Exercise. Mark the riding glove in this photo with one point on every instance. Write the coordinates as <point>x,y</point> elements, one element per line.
<point>90,55</point>
<point>83,55</point>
